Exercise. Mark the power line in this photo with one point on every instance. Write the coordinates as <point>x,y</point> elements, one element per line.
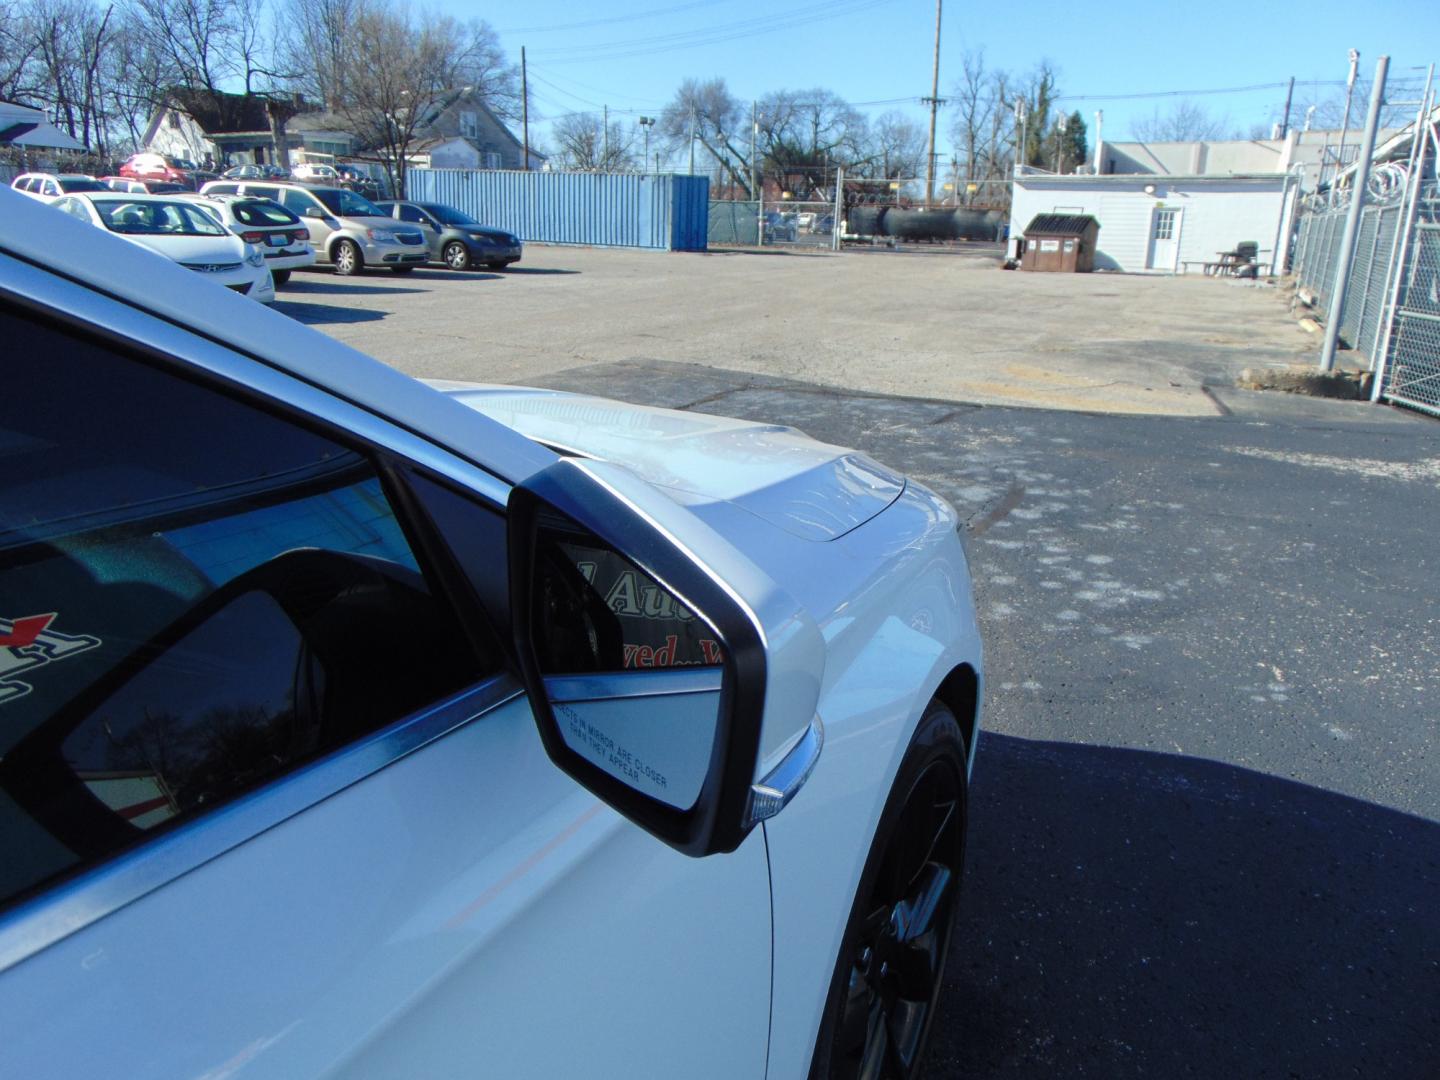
<point>586,23</point>
<point>619,50</point>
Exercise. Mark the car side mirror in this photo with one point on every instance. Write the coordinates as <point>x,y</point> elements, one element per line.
<point>667,673</point>
<point>315,212</point>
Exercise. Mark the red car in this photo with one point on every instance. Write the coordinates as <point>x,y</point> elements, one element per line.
<point>159,167</point>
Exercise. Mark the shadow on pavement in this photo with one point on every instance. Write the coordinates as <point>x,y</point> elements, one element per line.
<point>316,314</point>
<point>513,271</point>
<point>341,286</point>
<point>430,273</point>
<point>1128,913</point>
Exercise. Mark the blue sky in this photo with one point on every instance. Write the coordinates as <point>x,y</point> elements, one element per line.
<point>877,50</point>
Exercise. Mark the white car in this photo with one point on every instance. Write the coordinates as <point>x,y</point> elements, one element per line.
<point>278,233</point>
<point>316,174</point>
<point>181,231</point>
<point>359,727</point>
<point>47,187</point>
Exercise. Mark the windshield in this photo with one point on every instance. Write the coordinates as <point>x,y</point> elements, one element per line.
<point>347,204</point>
<point>156,218</point>
<point>449,215</point>
<point>83,184</point>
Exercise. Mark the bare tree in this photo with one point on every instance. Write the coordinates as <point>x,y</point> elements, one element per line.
<point>1184,121</point>
<point>719,122</point>
<point>803,134</point>
<point>975,109</point>
<point>315,47</point>
<point>583,144</point>
<point>896,147</point>
<point>402,67</point>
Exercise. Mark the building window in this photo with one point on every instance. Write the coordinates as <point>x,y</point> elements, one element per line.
<point>492,160</point>
<point>469,124</point>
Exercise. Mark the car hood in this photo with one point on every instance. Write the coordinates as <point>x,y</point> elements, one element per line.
<point>192,249</point>
<point>500,236</point>
<point>810,489</point>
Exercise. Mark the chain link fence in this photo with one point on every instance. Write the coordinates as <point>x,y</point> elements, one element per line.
<point>790,223</point>
<point>1391,314</point>
<point>1412,374</point>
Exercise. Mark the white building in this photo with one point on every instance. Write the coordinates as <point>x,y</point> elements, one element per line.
<point>1164,224</point>
<point>1172,207</point>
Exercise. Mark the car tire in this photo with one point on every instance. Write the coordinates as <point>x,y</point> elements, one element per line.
<point>280,277</point>
<point>456,256</point>
<point>401,269</point>
<point>346,257</point>
<point>887,978</point>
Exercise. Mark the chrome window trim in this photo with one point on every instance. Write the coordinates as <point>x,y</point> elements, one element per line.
<point>93,894</point>
<point>646,682</point>
<point>150,333</point>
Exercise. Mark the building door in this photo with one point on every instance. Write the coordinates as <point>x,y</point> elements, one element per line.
<point>1164,239</point>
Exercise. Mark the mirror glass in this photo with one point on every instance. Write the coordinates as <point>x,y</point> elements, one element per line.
<point>633,674</point>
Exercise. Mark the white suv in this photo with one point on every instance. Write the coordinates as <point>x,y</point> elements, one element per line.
<point>348,230</point>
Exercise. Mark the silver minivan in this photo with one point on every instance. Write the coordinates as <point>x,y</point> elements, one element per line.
<point>347,230</point>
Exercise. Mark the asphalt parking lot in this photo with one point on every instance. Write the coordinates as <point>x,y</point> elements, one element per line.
<point>1203,835</point>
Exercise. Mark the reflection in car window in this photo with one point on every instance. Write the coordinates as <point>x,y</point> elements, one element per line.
<point>189,607</point>
<point>344,203</point>
<point>412,213</point>
<point>594,610</point>
<point>157,218</point>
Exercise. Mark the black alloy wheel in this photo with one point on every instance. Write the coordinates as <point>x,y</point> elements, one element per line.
<point>883,998</point>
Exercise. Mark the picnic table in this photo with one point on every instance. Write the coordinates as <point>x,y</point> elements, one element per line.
<point>1231,263</point>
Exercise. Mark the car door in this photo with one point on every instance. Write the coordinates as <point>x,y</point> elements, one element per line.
<point>429,227</point>
<point>304,206</point>
<point>272,798</point>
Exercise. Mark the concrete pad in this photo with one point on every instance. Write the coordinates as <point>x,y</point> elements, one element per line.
<point>939,326</point>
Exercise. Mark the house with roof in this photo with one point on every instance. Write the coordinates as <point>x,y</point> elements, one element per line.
<point>458,130</point>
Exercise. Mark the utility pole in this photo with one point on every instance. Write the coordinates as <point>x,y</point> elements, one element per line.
<point>1285,123</point>
<point>605,139</point>
<point>754,131</point>
<point>1020,118</point>
<point>934,102</point>
<point>1352,218</point>
<point>525,108</point>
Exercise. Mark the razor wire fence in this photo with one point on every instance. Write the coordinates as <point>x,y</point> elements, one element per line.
<point>1391,314</point>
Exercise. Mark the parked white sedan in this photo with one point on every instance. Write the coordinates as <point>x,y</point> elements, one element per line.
<point>182,232</point>
<point>362,728</point>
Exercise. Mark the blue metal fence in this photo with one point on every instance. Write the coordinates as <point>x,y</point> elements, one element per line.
<point>666,213</point>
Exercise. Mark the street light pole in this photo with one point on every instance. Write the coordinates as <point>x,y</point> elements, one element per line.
<point>647,122</point>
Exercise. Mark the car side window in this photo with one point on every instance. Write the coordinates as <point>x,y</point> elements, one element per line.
<point>51,188</point>
<point>413,213</point>
<point>297,202</point>
<point>196,597</point>
<point>221,189</point>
